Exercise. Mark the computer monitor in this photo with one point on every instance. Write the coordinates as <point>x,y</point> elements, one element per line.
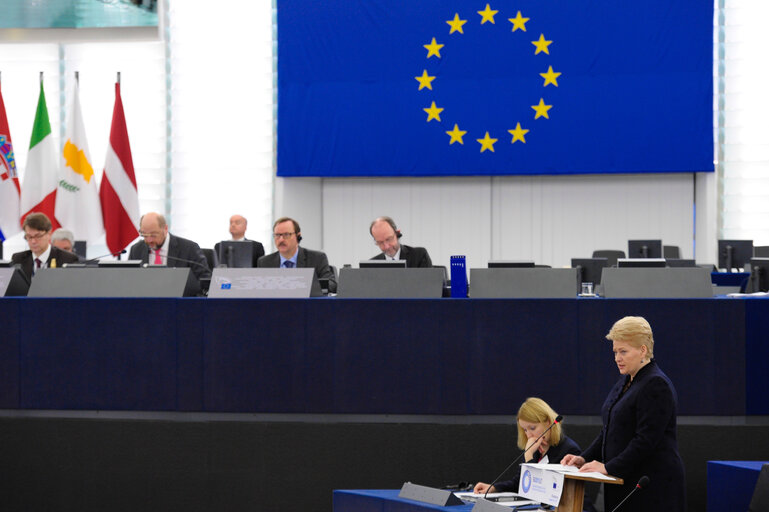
<point>236,254</point>
<point>640,262</point>
<point>678,262</point>
<point>120,263</point>
<point>589,269</point>
<point>644,249</point>
<point>80,248</point>
<point>510,264</point>
<point>759,275</point>
<point>734,253</point>
<point>382,264</point>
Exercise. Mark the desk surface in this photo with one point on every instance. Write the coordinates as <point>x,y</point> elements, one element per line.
<point>731,484</point>
<point>384,500</point>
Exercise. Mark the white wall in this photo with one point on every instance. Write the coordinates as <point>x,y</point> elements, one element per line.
<point>548,219</point>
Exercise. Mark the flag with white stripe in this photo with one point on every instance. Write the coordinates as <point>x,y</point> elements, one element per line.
<point>118,191</point>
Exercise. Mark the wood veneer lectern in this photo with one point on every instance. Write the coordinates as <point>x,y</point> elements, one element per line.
<point>573,495</point>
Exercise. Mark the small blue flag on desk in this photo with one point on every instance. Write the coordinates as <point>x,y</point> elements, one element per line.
<point>493,87</point>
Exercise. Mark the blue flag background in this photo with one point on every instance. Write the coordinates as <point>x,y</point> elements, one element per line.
<point>619,87</point>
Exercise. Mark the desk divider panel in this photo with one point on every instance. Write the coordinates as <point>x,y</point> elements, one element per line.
<point>391,283</point>
<point>114,282</point>
<point>663,283</point>
<point>523,283</point>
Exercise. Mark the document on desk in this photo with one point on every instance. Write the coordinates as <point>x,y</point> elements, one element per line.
<point>573,469</point>
<point>508,499</point>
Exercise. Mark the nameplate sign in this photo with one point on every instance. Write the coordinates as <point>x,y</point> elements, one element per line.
<point>267,283</point>
<point>540,484</point>
<point>423,494</point>
<point>12,282</point>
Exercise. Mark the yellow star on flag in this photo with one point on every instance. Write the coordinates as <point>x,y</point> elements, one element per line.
<point>541,109</point>
<point>456,24</point>
<point>487,15</point>
<point>487,143</point>
<point>519,22</point>
<point>425,80</point>
<point>550,77</point>
<point>518,134</point>
<point>433,49</point>
<point>542,45</point>
<point>456,135</point>
<point>433,112</point>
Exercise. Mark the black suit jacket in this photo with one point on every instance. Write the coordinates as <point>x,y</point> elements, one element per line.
<point>27,261</point>
<point>180,249</point>
<point>306,258</point>
<point>416,257</point>
<point>639,438</point>
<point>258,251</point>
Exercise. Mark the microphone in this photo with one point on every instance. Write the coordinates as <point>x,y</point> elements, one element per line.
<point>642,483</point>
<point>93,260</point>
<point>558,419</point>
<point>191,262</point>
<point>229,256</point>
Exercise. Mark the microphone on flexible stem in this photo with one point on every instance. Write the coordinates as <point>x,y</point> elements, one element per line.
<point>191,262</point>
<point>94,260</point>
<point>558,419</point>
<point>642,483</point>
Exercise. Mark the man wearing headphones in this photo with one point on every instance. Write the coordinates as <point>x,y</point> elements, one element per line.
<point>287,236</point>
<point>386,236</point>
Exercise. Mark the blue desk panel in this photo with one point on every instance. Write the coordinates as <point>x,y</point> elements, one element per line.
<point>731,484</point>
<point>384,501</point>
<point>410,356</point>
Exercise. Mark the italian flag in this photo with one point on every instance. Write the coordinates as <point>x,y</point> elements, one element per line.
<point>38,191</point>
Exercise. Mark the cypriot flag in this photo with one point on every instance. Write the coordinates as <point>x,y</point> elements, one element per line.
<point>77,199</point>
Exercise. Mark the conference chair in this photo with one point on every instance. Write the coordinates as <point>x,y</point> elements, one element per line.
<point>611,256</point>
<point>761,251</point>
<point>210,255</point>
<point>671,251</point>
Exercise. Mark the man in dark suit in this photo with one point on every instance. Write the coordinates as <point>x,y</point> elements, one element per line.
<point>160,247</point>
<point>238,224</point>
<point>287,236</point>
<point>387,237</point>
<point>41,254</point>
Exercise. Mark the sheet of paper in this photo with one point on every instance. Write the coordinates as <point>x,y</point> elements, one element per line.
<point>573,469</point>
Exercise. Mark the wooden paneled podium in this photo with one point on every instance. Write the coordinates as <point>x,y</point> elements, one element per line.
<point>573,496</point>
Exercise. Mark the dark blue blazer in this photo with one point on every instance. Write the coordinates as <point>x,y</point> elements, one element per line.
<point>554,456</point>
<point>639,438</point>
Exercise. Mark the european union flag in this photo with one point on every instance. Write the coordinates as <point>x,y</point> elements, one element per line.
<point>492,87</point>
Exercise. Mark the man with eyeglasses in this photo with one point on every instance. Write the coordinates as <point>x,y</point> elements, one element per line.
<point>41,254</point>
<point>159,247</point>
<point>287,235</point>
<point>387,237</point>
